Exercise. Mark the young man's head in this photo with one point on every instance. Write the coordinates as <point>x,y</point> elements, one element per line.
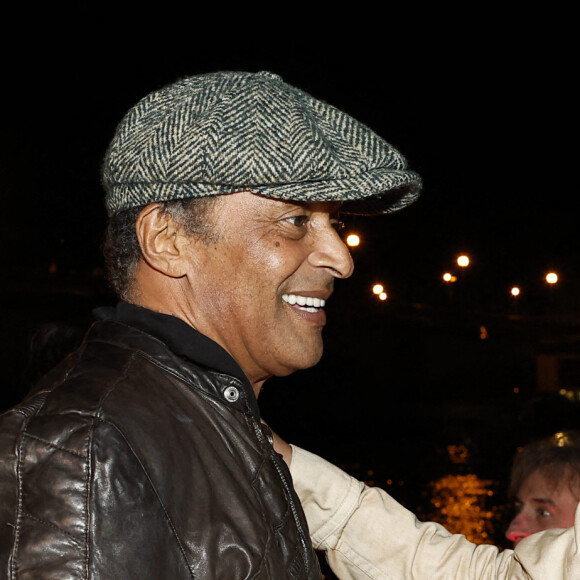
<point>224,192</point>
<point>545,485</point>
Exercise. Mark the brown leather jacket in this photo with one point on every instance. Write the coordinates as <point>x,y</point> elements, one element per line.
<point>132,461</point>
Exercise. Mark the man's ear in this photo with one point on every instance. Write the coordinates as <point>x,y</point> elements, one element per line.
<point>161,240</point>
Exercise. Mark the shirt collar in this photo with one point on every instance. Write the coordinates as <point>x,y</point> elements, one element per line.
<point>182,339</point>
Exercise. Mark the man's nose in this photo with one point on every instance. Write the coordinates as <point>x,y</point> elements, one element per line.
<point>516,537</point>
<point>332,253</point>
<point>517,530</point>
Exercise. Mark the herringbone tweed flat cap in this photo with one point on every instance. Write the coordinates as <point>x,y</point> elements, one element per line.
<point>223,132</point>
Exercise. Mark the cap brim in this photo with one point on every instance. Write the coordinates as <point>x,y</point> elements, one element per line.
<point>380,191</point>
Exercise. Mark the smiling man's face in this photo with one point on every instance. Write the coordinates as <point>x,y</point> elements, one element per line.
<point>260,288</point>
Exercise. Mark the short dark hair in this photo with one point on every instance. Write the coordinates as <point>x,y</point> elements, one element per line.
<point>557,458</point>
<point>121,248</point>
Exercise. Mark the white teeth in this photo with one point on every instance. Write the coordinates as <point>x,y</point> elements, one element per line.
<point>311,304</point>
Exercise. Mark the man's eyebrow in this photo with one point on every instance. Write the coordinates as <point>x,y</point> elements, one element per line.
<point>295,202</point>
<point>335,213</point>
<point>543,500</point>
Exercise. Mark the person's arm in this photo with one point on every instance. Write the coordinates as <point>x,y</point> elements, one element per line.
<point>552,554</point>
<point>367,534</point>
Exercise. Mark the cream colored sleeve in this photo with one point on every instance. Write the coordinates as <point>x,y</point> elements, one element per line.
<point>367,534</point>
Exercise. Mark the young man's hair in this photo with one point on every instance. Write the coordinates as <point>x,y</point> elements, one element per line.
<point>557,458</point>
<point>121,247</point>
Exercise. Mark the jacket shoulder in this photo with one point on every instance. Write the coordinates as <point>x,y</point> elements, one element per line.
<point>44,486</point>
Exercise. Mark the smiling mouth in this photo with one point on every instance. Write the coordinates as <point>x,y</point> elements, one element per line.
<point>306,303</point>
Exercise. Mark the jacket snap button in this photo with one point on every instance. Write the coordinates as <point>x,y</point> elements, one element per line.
<point>232,394</point>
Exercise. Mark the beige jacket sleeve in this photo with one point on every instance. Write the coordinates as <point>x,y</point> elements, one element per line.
<point>367,534</point>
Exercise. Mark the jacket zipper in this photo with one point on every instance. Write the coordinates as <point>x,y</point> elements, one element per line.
<point>302,535</point>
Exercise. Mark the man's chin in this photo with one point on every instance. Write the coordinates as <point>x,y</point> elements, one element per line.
<point>301,363</point>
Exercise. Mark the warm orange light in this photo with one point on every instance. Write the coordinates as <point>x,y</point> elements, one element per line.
<point>448,277</point>
<point>463,261</point>
<point>383,296</point>
<point>460,505</point>
<point>377,289</point>
<point>458,453</point>
<point>352,240</point>
<point>551,278</point>
<point>515,291</point>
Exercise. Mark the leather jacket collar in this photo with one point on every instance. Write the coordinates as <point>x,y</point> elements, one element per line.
<point>182,339</point>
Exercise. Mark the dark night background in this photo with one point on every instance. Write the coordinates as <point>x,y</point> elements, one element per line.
<point>483,106</point>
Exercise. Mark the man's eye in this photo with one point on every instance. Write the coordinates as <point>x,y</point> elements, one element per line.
<point>544,513</point>
<point>298,220</point>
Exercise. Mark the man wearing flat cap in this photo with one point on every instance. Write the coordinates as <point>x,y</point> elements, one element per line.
<point>142,455</point>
